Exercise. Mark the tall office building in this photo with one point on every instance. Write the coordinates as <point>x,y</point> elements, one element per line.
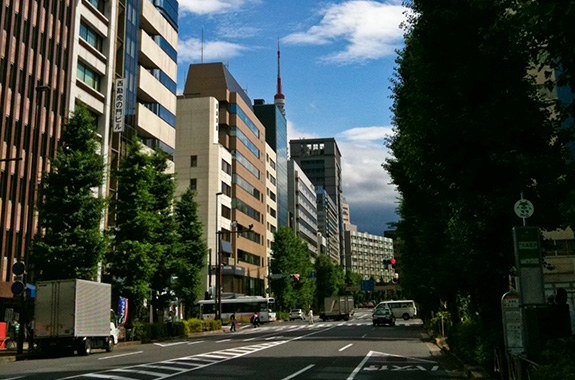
<point>35,69</point>
<point>146,44</point>
<point>221,153</point>
<point>271,206</point>
<point>320,160</point>
<point>302,206</point>
<point>327,223</point>
<point>370,255</point>
<point>275,124</point>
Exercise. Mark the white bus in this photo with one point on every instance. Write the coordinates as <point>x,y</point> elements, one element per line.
<point>244,307</point>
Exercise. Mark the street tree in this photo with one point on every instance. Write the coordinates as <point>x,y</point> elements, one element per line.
<point>290,255</point>
<point>329,279</point>
<point>472,134</point>
<point>70,242</point>
<point>165,238</point>
<point>190,256</point>
<point>135,255</point>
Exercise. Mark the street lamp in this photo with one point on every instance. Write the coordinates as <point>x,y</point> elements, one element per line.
<point>40,90</point>
<point>218,261</point>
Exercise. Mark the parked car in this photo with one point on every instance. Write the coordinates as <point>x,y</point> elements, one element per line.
<point>296,314</point>
<point>383,316</point>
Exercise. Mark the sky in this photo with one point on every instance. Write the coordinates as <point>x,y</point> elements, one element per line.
<point>337,61</point>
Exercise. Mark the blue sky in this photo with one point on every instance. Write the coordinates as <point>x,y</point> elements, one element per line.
<point>337,58</point>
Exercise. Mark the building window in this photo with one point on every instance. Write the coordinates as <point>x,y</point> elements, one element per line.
<point>226,212</point>
<point>226,189</point>
<point>91,36</point>
<point>193,161</point>
<point>88,76</point>
<point>193,184</point>
<point>226,167</point>
<point>98,4</point>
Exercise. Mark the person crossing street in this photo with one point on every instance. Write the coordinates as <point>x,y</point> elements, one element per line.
<point>233,320</point>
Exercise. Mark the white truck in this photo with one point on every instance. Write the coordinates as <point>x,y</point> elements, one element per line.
<point>337,308</point>
<point>74,313</point>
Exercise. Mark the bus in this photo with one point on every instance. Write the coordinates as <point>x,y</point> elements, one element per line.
<point>244,307</point>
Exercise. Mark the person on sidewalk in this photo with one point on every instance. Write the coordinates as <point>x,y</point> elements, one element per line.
<point>233,319</point>
<point>255,320</point>
<point>310,316</point>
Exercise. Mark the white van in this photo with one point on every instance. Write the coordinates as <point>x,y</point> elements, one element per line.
<point>401,309</point>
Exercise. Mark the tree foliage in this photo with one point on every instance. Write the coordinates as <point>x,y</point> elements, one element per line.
<point>290,255</point>
<point>190,259</point>
<point>472,135</point>
<point>140,236</point>
<point>70,243</point>
<point>329,279</point>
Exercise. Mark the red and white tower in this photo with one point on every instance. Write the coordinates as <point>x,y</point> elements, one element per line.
<point>279,98</point>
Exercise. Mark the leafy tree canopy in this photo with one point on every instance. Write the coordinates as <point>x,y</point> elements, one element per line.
<point>70,242</point>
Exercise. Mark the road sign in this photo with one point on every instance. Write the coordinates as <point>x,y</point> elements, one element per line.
<point>367,284</point>
<point>529,266</point>
<point>523,208</point>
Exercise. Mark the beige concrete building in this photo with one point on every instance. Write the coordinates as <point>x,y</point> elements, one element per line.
<point>370,255</point>
<point>271,204</point>
<point>221,154</point>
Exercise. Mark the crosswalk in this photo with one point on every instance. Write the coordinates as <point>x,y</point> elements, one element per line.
<point>178,366</point>
<point>305,326</point>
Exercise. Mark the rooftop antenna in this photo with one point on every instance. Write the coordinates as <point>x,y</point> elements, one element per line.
<point>279,98</point>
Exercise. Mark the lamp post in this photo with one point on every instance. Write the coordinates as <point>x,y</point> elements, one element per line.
<point>218,262</point>
<point>40,90</point>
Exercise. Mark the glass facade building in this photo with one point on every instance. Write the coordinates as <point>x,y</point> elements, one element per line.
<point>276,137</point>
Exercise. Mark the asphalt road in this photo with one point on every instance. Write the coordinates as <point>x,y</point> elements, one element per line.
<point>352,350</point>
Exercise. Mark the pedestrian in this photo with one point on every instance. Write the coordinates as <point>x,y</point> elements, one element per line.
<point>255,320</point>
<point>310,316</point>
<point>170,324</point>
<point>233,319</point>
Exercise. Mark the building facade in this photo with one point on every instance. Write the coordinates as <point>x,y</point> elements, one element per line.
<point>275,124</point>
<point>146,44</point>
<point>271,207</point>
<point>327,223</point>
<point>217,125</point>
<point>35,70</point>
<point>320,160</point>
<point>302,206</point>
<point>371,255</point>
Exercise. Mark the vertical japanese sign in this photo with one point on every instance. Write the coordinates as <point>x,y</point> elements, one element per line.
<point>122,311</point>
<point>119,106</point>
<point>529,265</point>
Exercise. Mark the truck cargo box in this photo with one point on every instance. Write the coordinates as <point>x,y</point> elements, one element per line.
<point>72,309</point>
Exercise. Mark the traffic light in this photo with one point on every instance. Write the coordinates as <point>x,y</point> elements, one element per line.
<point>18,286</point>
<point>393,263</point>
<point>295,276</point>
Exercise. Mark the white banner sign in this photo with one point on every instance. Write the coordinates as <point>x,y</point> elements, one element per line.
<point>119,106</point>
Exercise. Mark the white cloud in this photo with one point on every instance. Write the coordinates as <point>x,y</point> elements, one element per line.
<point>293,133</point>
<point>191,50</point>
<point>203,7</point>
<point>366,134</point>
<point>369,29</point>
<point>364,180</point>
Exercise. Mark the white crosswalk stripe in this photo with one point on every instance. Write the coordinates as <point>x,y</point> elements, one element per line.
<point>169,368</point>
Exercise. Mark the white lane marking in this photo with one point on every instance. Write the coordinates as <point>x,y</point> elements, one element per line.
<point>247,340</point>
<point>299,372</point>
<point>360,365</point>
<point>344,347</point>
<point>223,340</point>
<point>200,341</point>
<point>14,378</point>
<point>117,356</point>
<point>168,344</point>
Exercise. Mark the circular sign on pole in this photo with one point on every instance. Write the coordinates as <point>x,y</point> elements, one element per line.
<point>523,208</point>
